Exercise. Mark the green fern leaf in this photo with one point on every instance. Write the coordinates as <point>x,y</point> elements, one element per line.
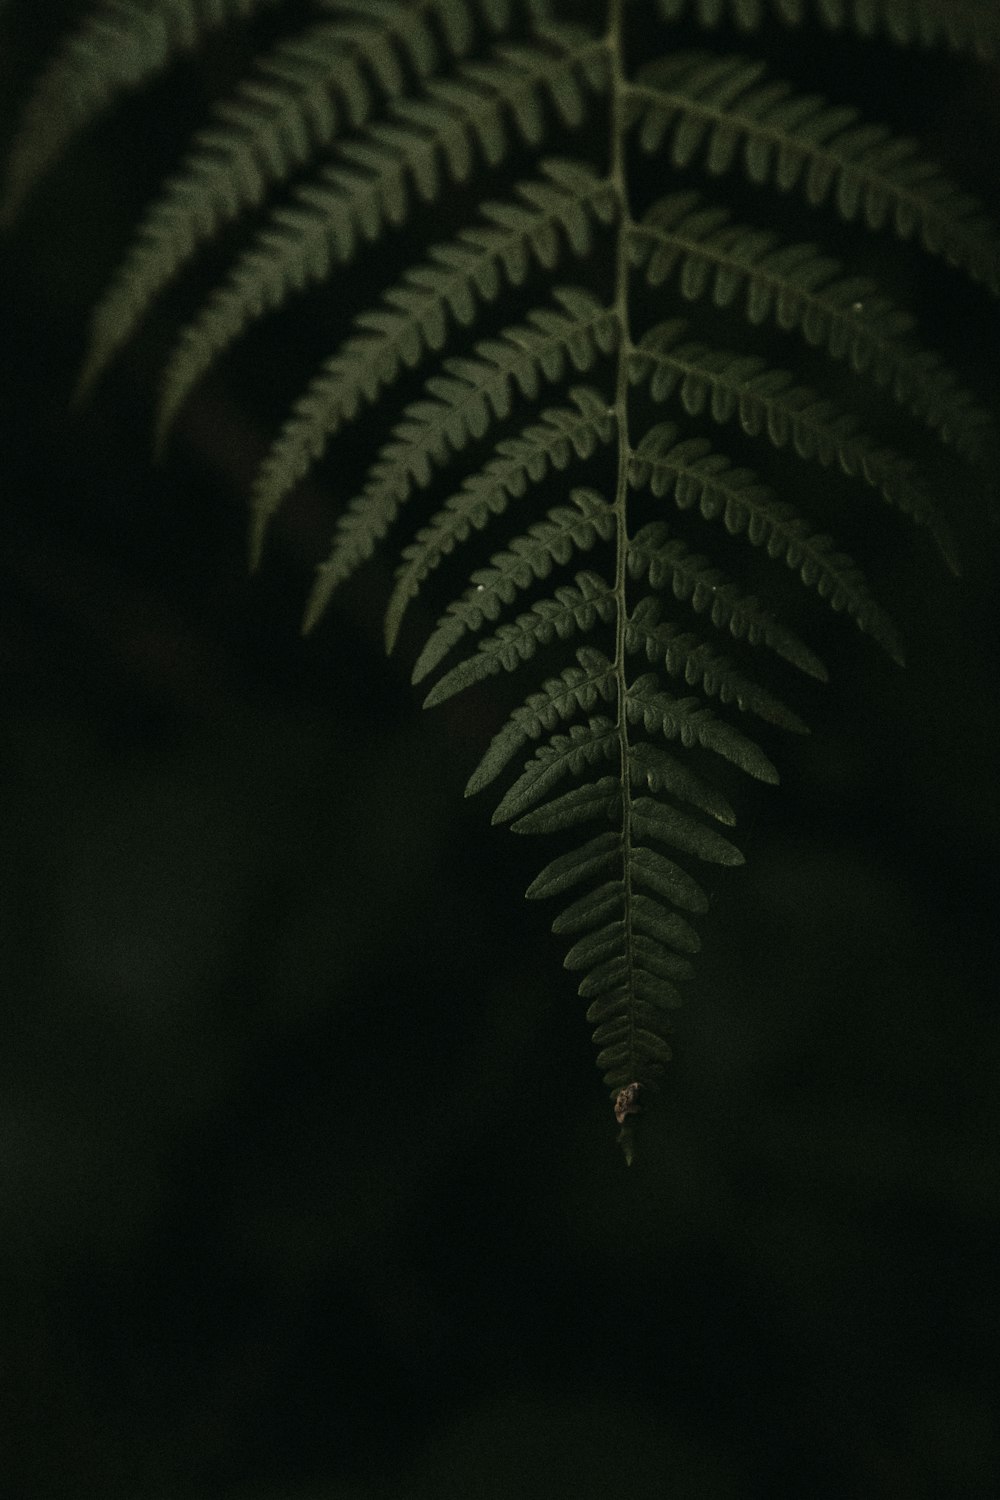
<point>565,754</point>
<point>550,443</point>
<point>421,144</point>
<point>666,561</point>
<point>661,772</point>
<point>593,801</point>
<point>631,951</point>
<point>687,720</point>
<point>368,108</point>
<point>561,755</point>
<point>652,819</point>
<point>415,320</point>
<point>307,89</point>
<point>712,105</point>
<point>684,655</point>
<point>646,867</point>
<point>768,401</point>
<point>590,910</point>
<point>530,557</point>
<point>467,402</point>
<point>576,867</point>
<point>576,690</point>
<point>963,25</point>
<point>572,609</point>
<point>804,290</point>
<point>696,475</point>
<point>118,48</point>
<point>650,868</point>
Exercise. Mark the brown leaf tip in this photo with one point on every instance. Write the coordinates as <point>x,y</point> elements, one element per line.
<point>627,1102</point>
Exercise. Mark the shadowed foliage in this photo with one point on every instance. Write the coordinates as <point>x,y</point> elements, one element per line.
<point>670,299</point>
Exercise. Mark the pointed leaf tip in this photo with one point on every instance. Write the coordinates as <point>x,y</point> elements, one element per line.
<point>390,629</point>
<point>255,544</point>
<point>317,601</point>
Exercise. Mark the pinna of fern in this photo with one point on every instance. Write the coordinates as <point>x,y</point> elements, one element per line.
<point>582,455</point>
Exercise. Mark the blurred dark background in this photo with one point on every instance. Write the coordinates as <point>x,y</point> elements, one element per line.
<point>308,1182</point>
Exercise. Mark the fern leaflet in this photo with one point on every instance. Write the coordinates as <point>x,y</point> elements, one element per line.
<point>121,46</point>
<point>421,144</point>
<point>415,321</point>
<point>712,106</point>
<point>467,401</point>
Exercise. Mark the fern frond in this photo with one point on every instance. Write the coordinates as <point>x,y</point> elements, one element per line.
<point>551,443</point>
<point>962,25</point>
<point>421,143</point>
<point>662,772</point>
<point>571,609</point>
<point>697,475</point>
<point>685,655</point>
<point>683,719</point>
<point>712,106</point>
<point>306,91</point>
<point>118,47</point>
<point>467,402</point>
<point>768,401</point>
<point>646,867</point>
<point>594,801</point>
<point>583,745</point>
<point>653,819</point>
<point>576,690</point>
<point>630,948</point>
<point>414,321</point>
<point>577,867</point>
<point>530,557</point>
<point>667,563</point>
<point>633,951</point>
<point>688,720</point>
<point>561,755</point>
<point>805,291</point>
<point>348,129</point>
<point>648,917</point>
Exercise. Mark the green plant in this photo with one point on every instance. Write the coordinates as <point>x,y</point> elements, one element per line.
<point>609,418</point>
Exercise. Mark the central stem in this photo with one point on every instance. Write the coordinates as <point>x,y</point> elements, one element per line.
<point>619,180</point>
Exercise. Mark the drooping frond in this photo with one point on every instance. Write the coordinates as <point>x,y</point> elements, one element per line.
<point>666,561</point>
<point>645,867</point>
<point>561,755</point>
<point>659,673</point>
<point>805,290</point>
<point>719,110</point>
<point>690,722</point>
<point>577,690</point>
<point>963,25</point>
<point>305,92</point>
<point>633,966</point>
<point>466,402</point>
<point>668,645</point>
<point>661,771</point>
<point>694,474</point>
<point>422,144</point>
<point>584,745</point>
<point>567,529</point>
<point>769,402</point>
<point>573,608</point>
<point>552,443</point>
<point>120,46</point>
<point>632,944</point>
<point>414,323</point>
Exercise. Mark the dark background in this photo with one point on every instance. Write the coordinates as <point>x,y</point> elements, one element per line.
<point>308,1185</point>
